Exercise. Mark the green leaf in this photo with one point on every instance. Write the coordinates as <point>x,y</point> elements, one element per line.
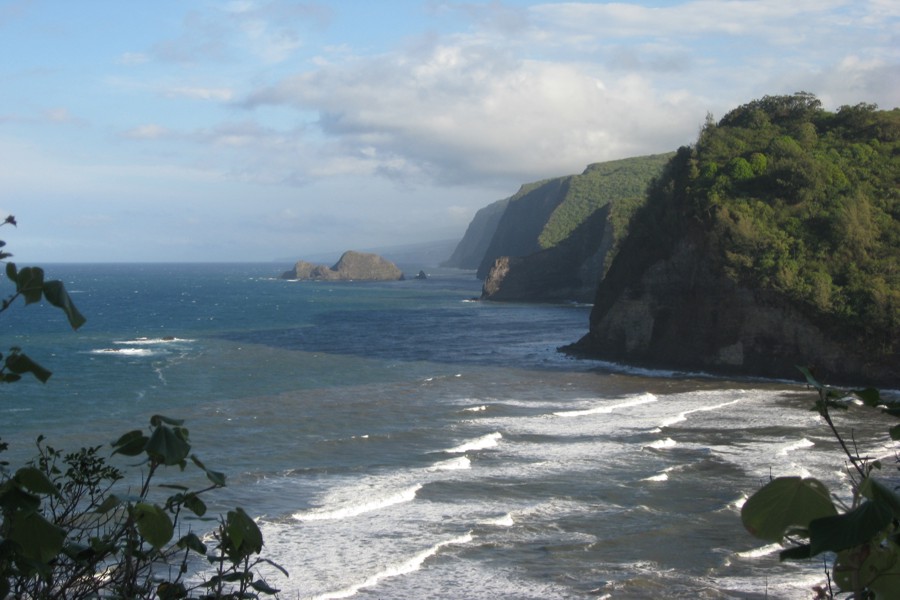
<point>895,433</point>
<point>131,444</point>
<point>809,377</point>
<point>262,586</point>
<point>34,480</point>
<point>111,502</point>
<point>30,283</point>
<point>244,535</point>
<point>153,524</point>
<point>784,505</point>
<point>869,396</point>
<point>192,542</point>
<point>19,363</point>
<point>157,420</point>
<point>215,477</point>
<point>56,294</point>
<point>801,552</point>
<point>167,445</point>
<point>877,492</point>
<point>194,504</point>
<point>38,539</point>
<point>11,272</point>
<point>850,529</point>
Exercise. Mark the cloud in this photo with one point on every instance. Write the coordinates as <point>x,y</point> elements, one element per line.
<point>200,93</point>
<point>150,131</point>
<point>467,110</point>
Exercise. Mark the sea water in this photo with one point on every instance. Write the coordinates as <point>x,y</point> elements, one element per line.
<point>400,440</point>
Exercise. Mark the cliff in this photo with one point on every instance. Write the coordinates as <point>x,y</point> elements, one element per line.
<point>557,237</point>
<point>773,242</point>
<point>474,244</point>
<point>352,266</point>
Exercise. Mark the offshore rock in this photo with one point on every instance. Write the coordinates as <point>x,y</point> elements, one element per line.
<point>352,266</point>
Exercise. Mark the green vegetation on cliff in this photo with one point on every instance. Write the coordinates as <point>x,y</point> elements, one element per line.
<point>621,183</point>
<point>797,200</point>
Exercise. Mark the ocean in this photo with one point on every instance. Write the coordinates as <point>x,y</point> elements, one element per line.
<point>402,441</point>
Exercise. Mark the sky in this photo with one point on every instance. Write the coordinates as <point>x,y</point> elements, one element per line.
<point>258,130</point>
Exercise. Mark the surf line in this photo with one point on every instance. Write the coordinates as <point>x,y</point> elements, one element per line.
<point>413,564</point>
<point>406,495</point>
<point>683,416</point>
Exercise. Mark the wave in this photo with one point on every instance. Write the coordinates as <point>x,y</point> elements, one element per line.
<point>475,408</point>
<point>662,444</point>
<point>143,341</point>
<point>608,408</point>
<point>504,521</point>
<point>409,566</point>
<point>680,417</point>
<point>799,445</point>
<point>761,551</point>
<point>486,441</point>
<point>454,464</point>
<point>353,510</point>
<point>124,351</point>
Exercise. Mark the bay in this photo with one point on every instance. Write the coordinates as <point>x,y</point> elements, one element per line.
<point>400,440</point>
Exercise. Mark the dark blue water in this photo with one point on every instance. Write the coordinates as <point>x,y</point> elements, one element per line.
<point>398,440</point>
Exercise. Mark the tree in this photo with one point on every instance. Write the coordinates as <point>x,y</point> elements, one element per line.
<point>71,526</point>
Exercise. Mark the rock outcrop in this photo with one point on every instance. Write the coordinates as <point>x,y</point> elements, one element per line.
<point>352,266</point>
<point>568,272</point>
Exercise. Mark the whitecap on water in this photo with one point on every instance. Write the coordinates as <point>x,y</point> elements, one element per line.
<point>608,408</point>
<point>486,441</point>
<point>355,508</point>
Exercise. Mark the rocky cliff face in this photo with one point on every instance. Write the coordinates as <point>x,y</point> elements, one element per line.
<point>352,266</point>
<point>471,249</point>
<point>568,272</point>
<point>557,237</point>
<point>522,222</point>
<point>677,312</point>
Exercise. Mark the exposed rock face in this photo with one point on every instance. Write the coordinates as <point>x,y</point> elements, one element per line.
<point>679,314</point>
<point>568,272</point>
<point>522,222</point>
<point>352,266</point>
<point>470,250</point>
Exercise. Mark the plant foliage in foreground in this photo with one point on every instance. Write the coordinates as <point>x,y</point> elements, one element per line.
<point>862,538</point>
<point>71,527</point>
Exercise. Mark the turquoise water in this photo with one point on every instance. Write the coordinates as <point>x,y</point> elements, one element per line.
<point>398,440</point>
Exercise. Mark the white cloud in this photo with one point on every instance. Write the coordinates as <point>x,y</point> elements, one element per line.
<point>201,93</point>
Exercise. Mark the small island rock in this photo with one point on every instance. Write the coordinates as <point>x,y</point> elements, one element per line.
<point>352,266</point>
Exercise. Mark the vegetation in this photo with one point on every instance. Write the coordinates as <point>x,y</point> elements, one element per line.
<point>615,182</point>
<point>798,200</point>
<point>862,539</point>
<point>73,526</point>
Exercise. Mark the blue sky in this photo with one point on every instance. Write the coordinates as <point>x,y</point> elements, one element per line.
<point>200,130</point>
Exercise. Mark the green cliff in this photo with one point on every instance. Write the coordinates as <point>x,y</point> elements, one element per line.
<point>773,241</point>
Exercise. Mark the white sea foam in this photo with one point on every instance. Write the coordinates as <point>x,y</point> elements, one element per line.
<point>504,521</point>
<point>680,417</point>
<point>124,351</point>
<point>761,551</point>
<point>143,341</point>
<point>356,509</point>
<point>453,464</point>
<point>486,441</point>
<point>799,445</point>
<point>662,444</point>
<point>475,408</point>
<point>608,408</point>
<point>661,477</point>
<point>409,566</point>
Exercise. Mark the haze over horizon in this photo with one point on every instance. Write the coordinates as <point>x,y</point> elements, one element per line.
<point>256,130</point>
